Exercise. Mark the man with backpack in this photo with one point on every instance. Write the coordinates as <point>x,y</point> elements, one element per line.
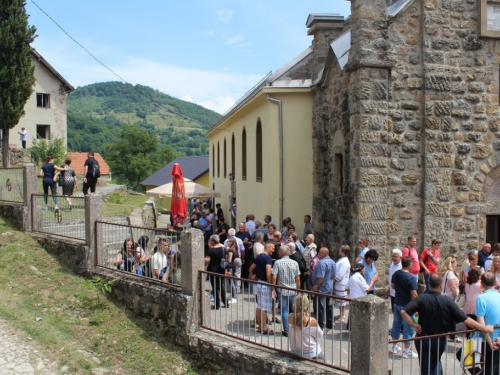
<point>91,172</point>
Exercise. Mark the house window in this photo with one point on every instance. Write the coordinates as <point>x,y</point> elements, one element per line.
<point>43,100</point>
<point>233,157</point>
<point>244,154</point>
<point>43,132</point>
<point>225,158</point>
<point>258,151</point>
<point>213,160</point>
<point>218,159</point>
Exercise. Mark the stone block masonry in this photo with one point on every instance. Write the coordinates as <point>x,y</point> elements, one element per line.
<point>420,122</point>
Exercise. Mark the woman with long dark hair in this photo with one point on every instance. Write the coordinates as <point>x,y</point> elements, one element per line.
<point>47,172</point>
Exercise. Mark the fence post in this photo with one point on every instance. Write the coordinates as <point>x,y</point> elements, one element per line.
<point>369,338</point>
<point>193,254</point>
<point>30,187</point>
<point>93,212</point>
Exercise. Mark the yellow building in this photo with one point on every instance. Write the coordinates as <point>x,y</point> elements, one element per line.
<point>261,149</point>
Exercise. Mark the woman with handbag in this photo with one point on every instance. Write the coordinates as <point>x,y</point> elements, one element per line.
<point>472,290</point>
<point>231,251</point>
<point>67,180</point>
<point>216,252</point>
<point>451,284</point>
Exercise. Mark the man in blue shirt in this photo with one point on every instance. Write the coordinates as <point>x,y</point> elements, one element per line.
<point>322,281</point>
<point>206,227</point>
<point>488,313</point>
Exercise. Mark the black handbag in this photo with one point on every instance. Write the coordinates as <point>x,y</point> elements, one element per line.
<point>224,263</point>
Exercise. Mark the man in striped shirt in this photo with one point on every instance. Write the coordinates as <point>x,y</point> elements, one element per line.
<point>286,273</point>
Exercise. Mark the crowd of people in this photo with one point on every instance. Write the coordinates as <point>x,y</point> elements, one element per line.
<point>159,262</point>
<point>287,268</point>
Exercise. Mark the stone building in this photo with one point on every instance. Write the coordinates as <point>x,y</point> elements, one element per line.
<point>406,128</point>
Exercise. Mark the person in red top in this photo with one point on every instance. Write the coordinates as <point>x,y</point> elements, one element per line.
<point>429,261</point>
<point>410,251</point>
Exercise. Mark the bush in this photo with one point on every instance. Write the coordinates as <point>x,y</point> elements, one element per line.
<point>115,197</point>
<point>41,149</point>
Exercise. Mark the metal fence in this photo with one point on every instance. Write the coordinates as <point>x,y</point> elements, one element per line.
<point>235,315</point>
<point>58,215</point>
<point>444,354</point>
<point>11,185</point>
<point>151,253</point>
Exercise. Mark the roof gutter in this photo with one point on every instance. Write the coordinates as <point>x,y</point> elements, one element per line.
<point>280,109</point>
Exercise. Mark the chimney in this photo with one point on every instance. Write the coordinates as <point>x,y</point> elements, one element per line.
<point>325,27</point>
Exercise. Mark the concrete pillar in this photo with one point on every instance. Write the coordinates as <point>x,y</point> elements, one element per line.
<point>30,187</point>
<point>193,254</point>
<point>93,212</point>
<point>369,338</point>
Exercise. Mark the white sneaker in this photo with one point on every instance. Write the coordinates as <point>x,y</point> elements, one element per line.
<point>339,320</point>
<point>395,349</point>
<point>233,300</point>
<point>410,354</point>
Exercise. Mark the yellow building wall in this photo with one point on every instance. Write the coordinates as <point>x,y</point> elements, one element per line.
<point>204,180</point>
<point>261,198</point>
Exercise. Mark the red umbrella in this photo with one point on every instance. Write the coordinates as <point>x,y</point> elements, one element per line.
<point>178,206</point>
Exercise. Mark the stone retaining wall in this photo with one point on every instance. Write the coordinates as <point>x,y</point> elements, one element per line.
<point>17,215</point>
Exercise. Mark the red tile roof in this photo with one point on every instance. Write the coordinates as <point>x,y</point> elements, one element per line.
<point>78,160</point>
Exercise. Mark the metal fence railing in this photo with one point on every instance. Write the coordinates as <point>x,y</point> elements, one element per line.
<point>234,315</point>
<point>444,354</point>
<point>151,253</point>
<point>11,185</point>
<point>58,216</point>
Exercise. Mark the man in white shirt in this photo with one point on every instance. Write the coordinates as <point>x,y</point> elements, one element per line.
<point>160,260</point>
<point>395,266</point>
<point>24,136</point>
<point>238,261</point>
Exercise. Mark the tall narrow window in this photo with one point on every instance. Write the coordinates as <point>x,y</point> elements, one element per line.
<point>339,169</point>
<point>244,154</point>
<point>213,160</point>
<point>233,157</point>
<point>218,159</point>
<point>258,151</point>
<point>225,158</point>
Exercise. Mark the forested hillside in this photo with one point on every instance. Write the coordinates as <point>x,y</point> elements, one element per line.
<point>97,112</point>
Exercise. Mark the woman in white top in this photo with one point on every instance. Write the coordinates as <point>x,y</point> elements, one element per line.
<point>258,246</point>
<point>341,281</point>
<point>451,285</point>
<point>357,283</point>
<point>450,288</point>
<point>495,269</point>
<point>304,332</point>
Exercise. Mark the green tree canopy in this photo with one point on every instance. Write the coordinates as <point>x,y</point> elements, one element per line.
<point>136,155</point>
<point>16,70</point>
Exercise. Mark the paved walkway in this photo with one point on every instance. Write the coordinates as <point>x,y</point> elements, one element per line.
<point>18,357</point>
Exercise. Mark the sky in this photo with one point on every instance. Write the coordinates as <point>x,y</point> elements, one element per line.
<point>210,52</point>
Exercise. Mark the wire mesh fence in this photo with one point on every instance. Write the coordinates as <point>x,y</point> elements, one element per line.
<point>11,185</point>
<point>248,317</point>
<point>58,215</point>
<point>151,253</point>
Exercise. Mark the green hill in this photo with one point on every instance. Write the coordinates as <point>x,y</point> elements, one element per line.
<point>97,112</point>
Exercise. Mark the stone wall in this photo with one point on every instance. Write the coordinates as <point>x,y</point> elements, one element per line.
<point>18,157</point>
<point>17,215</point>
<point>422,139</point>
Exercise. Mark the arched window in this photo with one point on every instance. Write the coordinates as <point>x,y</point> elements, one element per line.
<point>225,158</point>
<point>218,159</point>
<point>233,157</point>
<point>244,154</point>
<point>213,160</point>
<point>258,151</point>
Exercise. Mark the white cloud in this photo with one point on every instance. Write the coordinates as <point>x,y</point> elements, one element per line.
<point>219,105</point>
<point>187,98</point>
<point>234,39</point>
<point>225,15</point>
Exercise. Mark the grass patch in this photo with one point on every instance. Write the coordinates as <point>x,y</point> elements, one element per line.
<point>129,202</point>
<point>75,317</point>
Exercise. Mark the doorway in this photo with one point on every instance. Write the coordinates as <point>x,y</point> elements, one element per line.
<point>493,229</point>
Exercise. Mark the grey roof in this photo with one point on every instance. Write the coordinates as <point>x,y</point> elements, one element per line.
<point>193,167</point>
<point>282,78</point>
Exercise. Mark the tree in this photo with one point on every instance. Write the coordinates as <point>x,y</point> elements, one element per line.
<point>16,70</point>
<point>136,155</point>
